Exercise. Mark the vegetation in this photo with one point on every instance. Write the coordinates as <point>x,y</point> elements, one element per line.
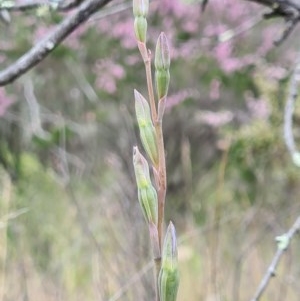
<point>71,225</point>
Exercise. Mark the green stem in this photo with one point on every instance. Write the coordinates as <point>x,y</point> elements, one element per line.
<point>147,62</point>
<point>150,88</point>
<point>162,187</point>
<point>162,179</point>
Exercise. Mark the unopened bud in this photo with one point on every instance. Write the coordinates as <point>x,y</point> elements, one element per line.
<point>147,130</point>
<point>141,169</point>
<point>140,28</point>
<point>169,275</point>
<point>162,79</point>
<point>146,192</point>
<point>148,200</point>
<point>162,53</point>
<point>140,8</point>
<point>162,66</point>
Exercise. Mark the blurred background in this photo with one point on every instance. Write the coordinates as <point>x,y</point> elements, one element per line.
<point>71,226</point>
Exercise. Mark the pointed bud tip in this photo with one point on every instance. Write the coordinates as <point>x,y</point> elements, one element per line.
<point>172,232</point>
<point>138,158</point>
<point>162,66</point>
<point>137,94</point>
<point>169,255</point>
<point>162,52</point>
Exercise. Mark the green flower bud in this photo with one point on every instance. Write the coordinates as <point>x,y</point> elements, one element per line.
<point>147,130</point>
<point>146,192</point>
<point>140,28</point>
<point>169,253</point>
<point>148,200</point>
<point>162,79</point>
<point>162,66</point>
<point>141,169</point>
<point>140,8</point>
<point>162,53</point>
<point>168,279</point>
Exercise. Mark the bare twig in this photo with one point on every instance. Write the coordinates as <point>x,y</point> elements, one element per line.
<point>283,243</point>
<point>34,4</point>
<point>35,126</point>
<point>82,81</point>
<point>288,114</point>
<point>114,9</point>
<point>132,280</point>
<point>289,10</point>
<point>234,32</point>
<point>10,216</point>
<point>38,52</point>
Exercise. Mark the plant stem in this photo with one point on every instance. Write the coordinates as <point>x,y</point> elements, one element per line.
<point>146,55</point>
<point>150,87</point>
<point>157,120</point>
<point>162,179</point>
<point>161,167</point>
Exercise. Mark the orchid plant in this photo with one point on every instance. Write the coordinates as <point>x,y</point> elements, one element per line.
<point>152,194</point>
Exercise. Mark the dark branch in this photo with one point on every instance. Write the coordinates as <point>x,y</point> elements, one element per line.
<point>46,46</point>
<point>280,7</point>
<point>289,10</point>
<point>34,4</point>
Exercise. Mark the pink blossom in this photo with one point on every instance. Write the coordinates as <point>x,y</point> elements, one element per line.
<point>215,119</point>
<point>5,101</point>
<point>181,96</point>
<point>214,93</point>
<point>267,40</point>
<point>107,73</point>
<point>259,108</point>
<point>223,51</point>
